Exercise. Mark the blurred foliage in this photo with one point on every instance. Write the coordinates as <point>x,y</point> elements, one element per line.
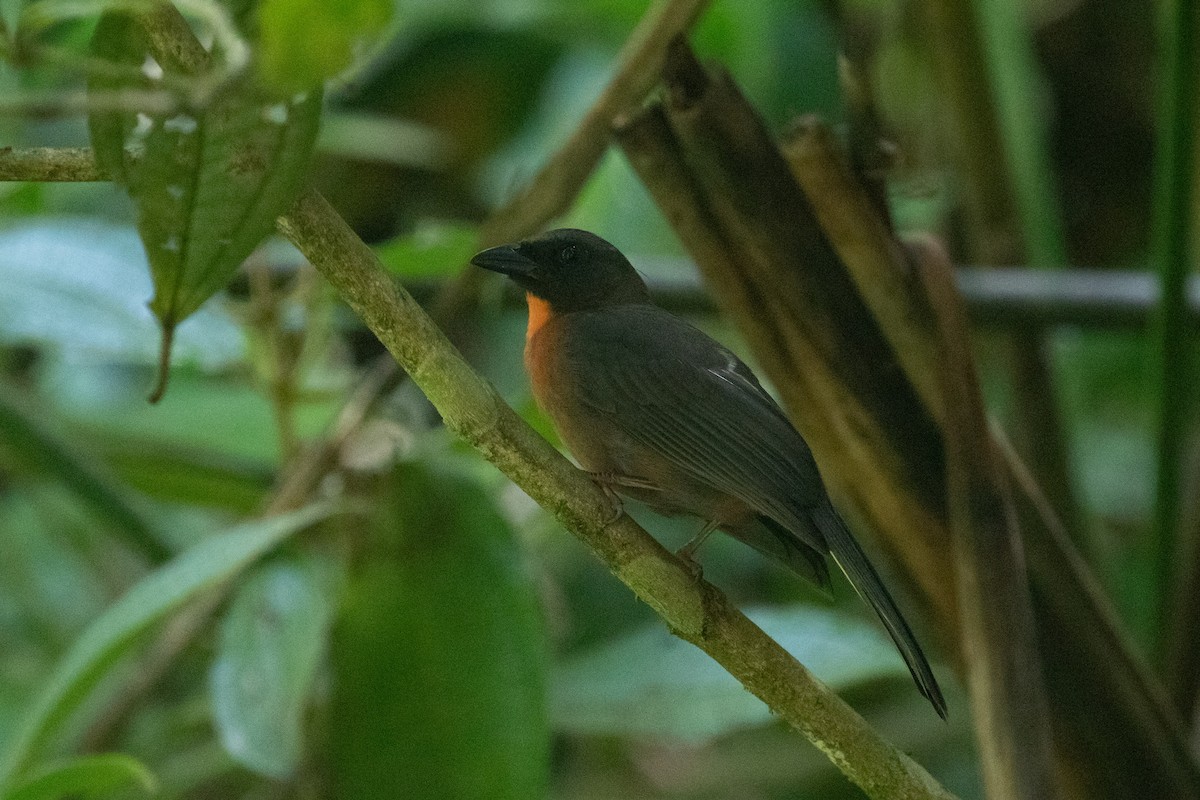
<point>456,630</point>
<point>88,776</point>
<point>439,654</point>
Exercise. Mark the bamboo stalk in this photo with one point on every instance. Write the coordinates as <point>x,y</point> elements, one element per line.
<point>1000,231</point>
<point>1004,671</point>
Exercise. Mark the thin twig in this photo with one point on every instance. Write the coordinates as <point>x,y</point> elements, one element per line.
<point>639,65</point>
<point>69,104</point>
<point>559,181</point>
<point>57,164</point>
<point>305,472</point>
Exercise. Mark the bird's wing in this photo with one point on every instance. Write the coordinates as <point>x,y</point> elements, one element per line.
<point>675,390</point>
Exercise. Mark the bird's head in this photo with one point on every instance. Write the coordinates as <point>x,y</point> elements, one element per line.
<point>570,269</point>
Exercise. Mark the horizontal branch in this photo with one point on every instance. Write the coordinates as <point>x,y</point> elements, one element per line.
<point>50,164</point>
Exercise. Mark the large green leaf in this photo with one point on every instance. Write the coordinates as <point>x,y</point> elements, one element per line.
<point>89,776</point>
<point>270,645</point>
<point>650,683</point>
<point>216,559</point>
<point>439,653</point>
<point>208,177</point>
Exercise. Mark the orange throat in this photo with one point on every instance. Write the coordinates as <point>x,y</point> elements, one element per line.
<point>539,315</point>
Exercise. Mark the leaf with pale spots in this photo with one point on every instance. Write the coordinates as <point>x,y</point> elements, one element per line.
<point>208,169</point>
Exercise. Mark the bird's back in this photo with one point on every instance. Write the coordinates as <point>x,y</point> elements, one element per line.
<point>634,389</point>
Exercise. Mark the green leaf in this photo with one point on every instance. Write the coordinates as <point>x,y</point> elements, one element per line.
<point>439,655</point>
<point>650,683</point>
<point>271,641</point>
<point>89,776</point>
<point>180,473</point>
<point>29,446</point>
<point>431,251</point>
<point>211,186</point>
<point>210,177</point>
<point>303,42</point>
<point>216,559</point>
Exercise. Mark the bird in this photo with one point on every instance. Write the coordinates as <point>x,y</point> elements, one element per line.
<point>656,410</point>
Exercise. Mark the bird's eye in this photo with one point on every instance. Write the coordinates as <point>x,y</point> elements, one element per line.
<point>567,254</point>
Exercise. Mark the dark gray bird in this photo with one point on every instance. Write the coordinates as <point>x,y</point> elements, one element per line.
<point>658,411</point>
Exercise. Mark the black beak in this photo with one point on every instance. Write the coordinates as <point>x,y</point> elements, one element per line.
<point>506,260</point>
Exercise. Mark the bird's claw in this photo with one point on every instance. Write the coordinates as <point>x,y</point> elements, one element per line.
<point>685,554</point>
<point>605,482</point>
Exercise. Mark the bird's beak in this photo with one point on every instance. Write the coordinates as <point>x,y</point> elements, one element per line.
<point>506,260</point>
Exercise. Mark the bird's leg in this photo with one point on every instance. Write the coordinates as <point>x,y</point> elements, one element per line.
<point>618,507</point>
<point>611,479</point>
<point>608,480</point>
<point>688,550</point>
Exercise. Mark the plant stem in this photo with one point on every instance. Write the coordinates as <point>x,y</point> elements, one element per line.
<point>1174,208</point>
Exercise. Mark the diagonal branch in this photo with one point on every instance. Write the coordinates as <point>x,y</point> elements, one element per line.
<point>549,193</point>
<point>693,609</point>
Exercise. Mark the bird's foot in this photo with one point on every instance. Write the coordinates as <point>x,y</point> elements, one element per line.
<point>603,480</point>
<point>687,553</point>
<point>608,483</point>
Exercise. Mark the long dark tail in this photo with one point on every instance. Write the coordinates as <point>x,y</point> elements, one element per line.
<point>853,561</point>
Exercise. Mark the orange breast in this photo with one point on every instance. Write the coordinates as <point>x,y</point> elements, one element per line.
<point>553,382</point>
<point>539,314</point>
<point>540,351</point>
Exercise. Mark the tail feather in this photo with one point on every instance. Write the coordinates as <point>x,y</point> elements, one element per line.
<point>853,562</point>
<point>777,542</point>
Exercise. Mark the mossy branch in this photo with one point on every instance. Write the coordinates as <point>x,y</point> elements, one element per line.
<point>693,609</point>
